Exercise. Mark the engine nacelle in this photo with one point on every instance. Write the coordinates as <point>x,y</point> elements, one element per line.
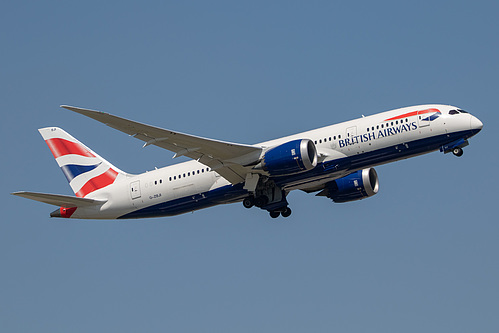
<point>356,186</point>
<point>289,158</point>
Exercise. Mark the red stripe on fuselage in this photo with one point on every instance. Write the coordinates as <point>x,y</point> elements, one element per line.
<point>62,147</point>
<point>96,183</point>
<point>413,113</point>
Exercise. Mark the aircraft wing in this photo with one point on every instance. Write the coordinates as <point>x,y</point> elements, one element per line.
<point>65,201</point>
<point>230,160</point>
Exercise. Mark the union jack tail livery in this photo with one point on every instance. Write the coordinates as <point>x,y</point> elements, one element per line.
<point>85,171</point>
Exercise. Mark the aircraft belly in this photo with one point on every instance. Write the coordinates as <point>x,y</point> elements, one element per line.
<point>190,203</point>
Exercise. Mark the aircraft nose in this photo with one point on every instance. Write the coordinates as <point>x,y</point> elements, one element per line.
<point>475,123</point>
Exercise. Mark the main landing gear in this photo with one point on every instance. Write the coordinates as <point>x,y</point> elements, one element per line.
<point>248,202</point>
<point>284,212</point>
<point>263,203</point>
<point>268,196</point>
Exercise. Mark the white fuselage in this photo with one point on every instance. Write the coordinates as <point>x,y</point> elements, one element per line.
<point>360,143</point>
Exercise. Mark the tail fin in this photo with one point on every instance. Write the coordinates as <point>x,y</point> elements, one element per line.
<point>85,171</point>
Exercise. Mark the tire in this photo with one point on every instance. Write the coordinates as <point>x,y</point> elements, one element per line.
<point>457,151</point>
<point>274,214</point>
<point>248,202</point>
<point>286,212</point>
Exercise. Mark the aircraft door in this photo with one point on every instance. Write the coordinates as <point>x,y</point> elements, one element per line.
<point>135,189</point>
<point>351,132</point>
<point>423,120</point>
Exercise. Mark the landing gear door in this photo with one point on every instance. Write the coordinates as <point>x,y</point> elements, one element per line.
<point>135,189</point>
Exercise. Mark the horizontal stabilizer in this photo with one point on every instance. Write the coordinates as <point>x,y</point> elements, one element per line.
<point>65,201</point>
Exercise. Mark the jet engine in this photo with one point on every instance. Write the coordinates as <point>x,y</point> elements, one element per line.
<point>356,186</point>
<point>289,158</point>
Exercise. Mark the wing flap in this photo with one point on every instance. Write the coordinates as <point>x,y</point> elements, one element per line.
<point>60,200</point>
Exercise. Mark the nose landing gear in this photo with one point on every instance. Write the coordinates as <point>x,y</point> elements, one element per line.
<point>457,151</point>
<point>455,147</point>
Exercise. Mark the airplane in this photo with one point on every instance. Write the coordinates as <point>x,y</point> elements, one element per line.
<point>335,161</point>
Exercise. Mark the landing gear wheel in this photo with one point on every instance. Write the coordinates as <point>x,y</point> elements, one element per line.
<point>286,212</point>
<point>274,214</point>
<point>457,151</point>
<point>248,202</point>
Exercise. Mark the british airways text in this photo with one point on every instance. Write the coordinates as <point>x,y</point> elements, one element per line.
<point>380,134</point>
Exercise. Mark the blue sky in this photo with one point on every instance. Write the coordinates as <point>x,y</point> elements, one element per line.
<point>419,256</point>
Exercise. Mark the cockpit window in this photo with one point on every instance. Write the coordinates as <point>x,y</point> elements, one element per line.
<point>457,111</point>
